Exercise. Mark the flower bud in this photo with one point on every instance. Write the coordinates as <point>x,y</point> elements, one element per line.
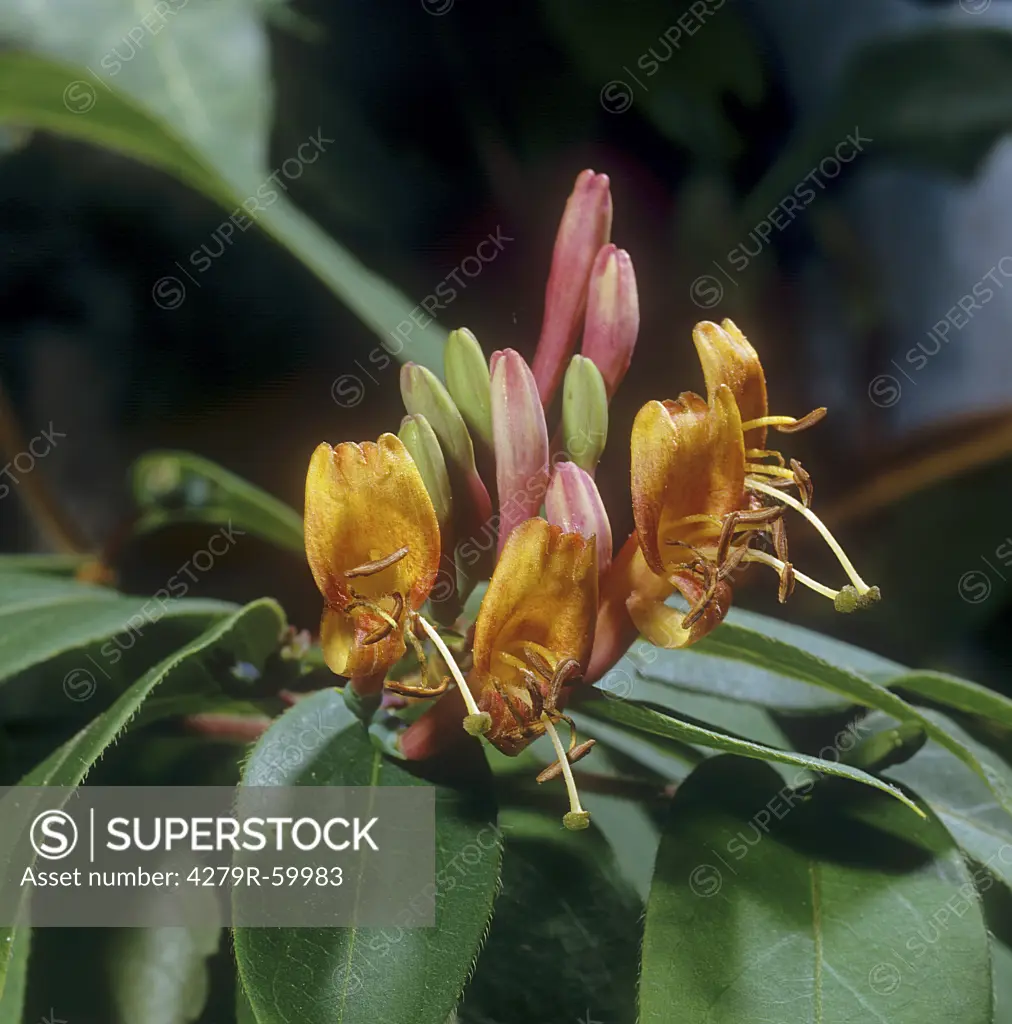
<point>469,382</point>
<point>422,444</point>
<point>613,315</point>
<point>521,441</point>
<point>584,413</point>
<point>424,395</point>
<point>574,503</point>
<point>584,228</point>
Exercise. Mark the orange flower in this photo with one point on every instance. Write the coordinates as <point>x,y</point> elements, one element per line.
<point>372,540</point>
<point>532,637</point>
<point>706,490</point>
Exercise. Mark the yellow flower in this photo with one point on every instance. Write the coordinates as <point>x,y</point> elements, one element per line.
<point>532,637</point>
<point>706,489</point>
<point>372,540</point>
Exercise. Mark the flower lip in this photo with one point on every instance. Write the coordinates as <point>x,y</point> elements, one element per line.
<point>372,542</point>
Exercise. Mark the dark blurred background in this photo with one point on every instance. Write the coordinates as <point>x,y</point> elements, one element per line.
<point>451,121</point>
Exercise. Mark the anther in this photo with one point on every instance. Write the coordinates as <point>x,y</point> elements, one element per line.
<point>371,568</point>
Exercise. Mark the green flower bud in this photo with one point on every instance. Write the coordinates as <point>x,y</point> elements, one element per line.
<point>469,382</point>
<point>421,442</point>
<point>584,413</point>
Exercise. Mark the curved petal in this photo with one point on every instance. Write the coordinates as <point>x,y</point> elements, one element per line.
<point>662,625</point>
<point>343,636</point>
<point>543,592</point>
<point>728,358</point>
<point>363,504</point>
<point>688,459</point>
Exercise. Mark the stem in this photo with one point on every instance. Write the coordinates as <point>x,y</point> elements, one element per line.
<point>477,721</point>
<point>577,818</point>
<point>792,502</point>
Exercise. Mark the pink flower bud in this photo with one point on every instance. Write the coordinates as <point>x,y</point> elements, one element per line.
<point>584,228</point>
<point>574,503</point>
<point>521,441</point>
<point>613,315</point>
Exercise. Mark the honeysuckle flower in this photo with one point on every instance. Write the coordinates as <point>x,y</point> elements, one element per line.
<point>574,503</point>
<point>532,637</point>
<point>469,383</point>
<point>372,541</point>
<point>705,489</point>
<point>613,315</point>
<point>584,228</point>
<point>521,441</point>
<point>584,413</point>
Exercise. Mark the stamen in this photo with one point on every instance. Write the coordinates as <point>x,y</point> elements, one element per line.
<point>405,690</point>
<point>766,558</point>
<point>554,770</point>
<point>864,592</point>
<point>764,470</point>
<point>477,721</point>
<point>787,578</point>
<point>576,818</point>
<point>805,486</point>
<point>371,568</point>
<point>787,424</point>
<point>764,453</point>
<point>780,539</point>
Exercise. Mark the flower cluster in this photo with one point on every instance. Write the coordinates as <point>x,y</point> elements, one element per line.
<point>475,488</point>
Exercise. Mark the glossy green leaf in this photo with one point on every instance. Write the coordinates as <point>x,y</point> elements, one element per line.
<point>369,975</point>
<point>14,950</point>
<point>171,487</point>
<point>564,904</point>
<point>55,565</point>
<point>251,634</point>
<point>967,808</point>
<point>63,653</point>
<point>806,917</point>
<point>956,693</point>
<point>649,720</point>
<point>160,975</point>
<point>754,648</point>
<point>194,101</point>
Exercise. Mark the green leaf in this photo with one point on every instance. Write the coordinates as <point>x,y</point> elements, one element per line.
<point>939,98</point>
<point>651,721</point>
<point>565,922</point>
<point>12,995</point>
<point>808,918</point>
<point>368,975</point>
<point>160,975</point>
<point>20,591</point>
<point>88,641</point>
<point>171,487</point>
<point>966,807</point>
<point>956,693</point>
<point>250,634</point>
<point>56,565</point>
<point>754,648</point>
<point>194,102</point>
